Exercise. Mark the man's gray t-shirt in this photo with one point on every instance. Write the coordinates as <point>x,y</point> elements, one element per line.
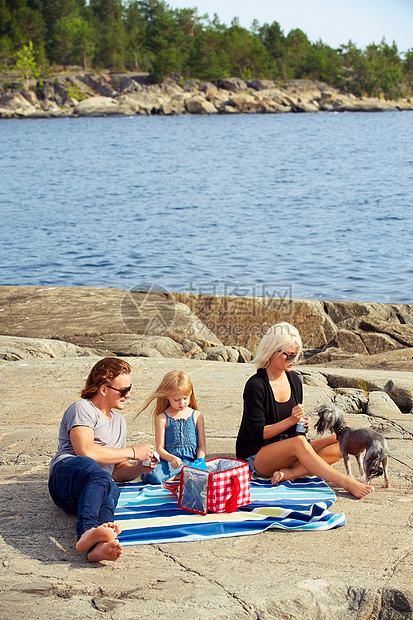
<point>110,433</point>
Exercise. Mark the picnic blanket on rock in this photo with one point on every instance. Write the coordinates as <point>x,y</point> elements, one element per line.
<point>150,514</point>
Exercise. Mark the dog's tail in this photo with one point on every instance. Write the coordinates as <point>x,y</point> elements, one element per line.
<point>375,469</point>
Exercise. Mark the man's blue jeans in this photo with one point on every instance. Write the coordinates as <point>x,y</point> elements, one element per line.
<point>78,485</point>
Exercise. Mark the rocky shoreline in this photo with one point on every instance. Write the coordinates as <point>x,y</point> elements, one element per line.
<point>67,322</point>
<point>94,94</point>
<point>50,339</point>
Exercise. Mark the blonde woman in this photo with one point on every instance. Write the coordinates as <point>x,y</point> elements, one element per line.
<point>267,438</point>
<point>179,426</point>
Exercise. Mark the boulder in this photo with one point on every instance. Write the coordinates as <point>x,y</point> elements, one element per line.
<point>315,396</point>
<point>98,83</point>
<point>224,354</point>
<point>400,393</point>
<point>80,315</point>
<point>146,102</point>
<point>15,104</point>
<point>101,106</point>
<point>260,84</point>
<point>200,105</point>
<point>401,333</point>
<point>242,321</point>
<point>381,405</point>
<point>378,343</point>
<point>305,106</point>
<point>228,109</point>
<point>191,86</point>
<point>247,103</point>
<point>234,84</point>
<point>312,378</point>
<point>208,89</point>
<point>14,348</point>
<point>132,345</point>
<point>351,400</point>
<point>348,341</point>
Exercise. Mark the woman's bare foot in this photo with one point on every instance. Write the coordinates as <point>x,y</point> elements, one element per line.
<point>106,551</point>
<point>277,477</point>
<point>102,533</point>
<point>282,475</point>
<point>358,489</point>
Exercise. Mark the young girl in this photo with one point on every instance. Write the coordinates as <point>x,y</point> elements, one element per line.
<point>179,427</point>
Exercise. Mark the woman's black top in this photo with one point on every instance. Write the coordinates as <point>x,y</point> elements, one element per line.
<point>261,409</point>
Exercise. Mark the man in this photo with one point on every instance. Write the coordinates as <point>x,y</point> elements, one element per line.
<point>92,454</point>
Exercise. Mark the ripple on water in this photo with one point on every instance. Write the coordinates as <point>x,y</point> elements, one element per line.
<point>319,203</point>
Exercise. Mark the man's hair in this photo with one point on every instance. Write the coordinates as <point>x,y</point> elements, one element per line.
<point>102,373</point>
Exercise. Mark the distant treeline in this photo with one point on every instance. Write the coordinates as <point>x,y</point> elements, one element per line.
<point>36,36</point>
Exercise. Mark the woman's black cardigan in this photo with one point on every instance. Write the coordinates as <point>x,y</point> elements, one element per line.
<point>260,409</point>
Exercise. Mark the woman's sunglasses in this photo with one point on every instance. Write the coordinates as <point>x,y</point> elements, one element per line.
<point>289,357</point>
<point>123,391</point>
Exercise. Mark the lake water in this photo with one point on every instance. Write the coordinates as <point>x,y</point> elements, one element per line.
<point>314,206</point>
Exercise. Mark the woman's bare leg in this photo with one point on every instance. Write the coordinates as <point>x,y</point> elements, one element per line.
<point>326,447</point>
<point>278,456</point>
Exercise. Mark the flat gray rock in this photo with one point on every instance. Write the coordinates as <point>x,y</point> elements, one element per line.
<point>361,570</point>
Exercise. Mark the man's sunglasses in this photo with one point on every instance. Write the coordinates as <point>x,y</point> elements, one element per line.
<point>123,391</point>
<point>289,357</point>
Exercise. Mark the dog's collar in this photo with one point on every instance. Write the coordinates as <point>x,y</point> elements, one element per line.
<point>340,430</point>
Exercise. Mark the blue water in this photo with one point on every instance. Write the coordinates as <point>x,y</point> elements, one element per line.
<point>314,206</point>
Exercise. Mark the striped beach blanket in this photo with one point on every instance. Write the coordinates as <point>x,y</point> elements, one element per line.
<point>150,514</point>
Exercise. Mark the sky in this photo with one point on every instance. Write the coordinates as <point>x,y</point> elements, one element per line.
<point>333,21</point>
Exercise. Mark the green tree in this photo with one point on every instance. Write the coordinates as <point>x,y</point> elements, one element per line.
<point>169,37</point>
<point>407,66</point>
<point>273,39</point>
<point>297,49</point>
<point>21,23</point>
<point>26,64</point>
<point>353,77</point>
<point>108,21</point>
<point>384,70</point>
<point>209,60</point>
<point>75,41</point>
<point>376,71</point>
<point>52,12</point>
<point>137,55</point>
<point>322,63</point>
<point>247,54</point>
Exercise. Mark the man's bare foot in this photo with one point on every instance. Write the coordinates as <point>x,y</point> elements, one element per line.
<point>106,551</point>
<point>117,528</point>
<point>102,533</point>
<point>358,489</point>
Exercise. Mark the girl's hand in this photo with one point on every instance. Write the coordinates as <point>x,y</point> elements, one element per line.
<point>143,452</point>
<point>297,413</point>
<point>307,424</point>
<point>176,462</point>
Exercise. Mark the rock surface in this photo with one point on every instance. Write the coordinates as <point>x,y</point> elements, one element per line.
<point>361,570</point>
<point>214,327</point>
<point>104,94</point>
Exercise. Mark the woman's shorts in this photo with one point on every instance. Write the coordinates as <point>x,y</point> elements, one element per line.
<point>250,461</point>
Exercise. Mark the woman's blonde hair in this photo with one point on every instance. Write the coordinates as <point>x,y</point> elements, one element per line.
<point>277,339</point>
<point>176,381</point>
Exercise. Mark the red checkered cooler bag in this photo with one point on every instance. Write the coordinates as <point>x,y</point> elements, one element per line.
<point>224,487</point>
